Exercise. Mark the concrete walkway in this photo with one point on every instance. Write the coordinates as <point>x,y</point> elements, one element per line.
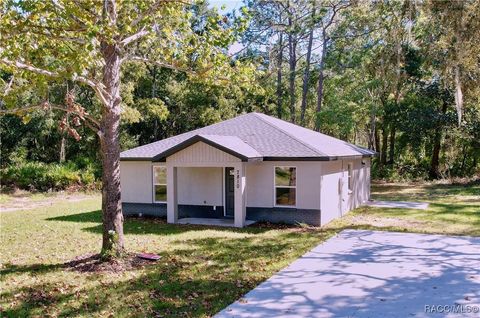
<point>398,204</point>
<point>372,274</point>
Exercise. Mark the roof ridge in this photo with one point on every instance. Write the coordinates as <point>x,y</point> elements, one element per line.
<point>286,133</point>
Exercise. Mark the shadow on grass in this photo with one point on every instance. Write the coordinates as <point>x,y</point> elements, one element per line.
<point>200,277</point>
<point>152,225</point>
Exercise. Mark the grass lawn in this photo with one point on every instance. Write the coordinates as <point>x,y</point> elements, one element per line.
<point>202,269</point>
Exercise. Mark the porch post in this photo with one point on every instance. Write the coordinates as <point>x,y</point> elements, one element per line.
<point>172,197</point>
<point>240,193</point>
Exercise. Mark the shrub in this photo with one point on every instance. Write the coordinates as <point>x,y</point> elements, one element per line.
<point>43,177</point>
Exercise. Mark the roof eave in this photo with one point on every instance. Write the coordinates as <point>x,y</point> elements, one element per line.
<point>135,159</point>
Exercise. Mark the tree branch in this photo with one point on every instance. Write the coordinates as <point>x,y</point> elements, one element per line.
<point>9,86</point>
<point>134,37</point>
<point>97,87</point>
<point>136,58</point>
<point>93,123</point>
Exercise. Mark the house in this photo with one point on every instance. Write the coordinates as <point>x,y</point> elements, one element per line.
<point>249,168</point>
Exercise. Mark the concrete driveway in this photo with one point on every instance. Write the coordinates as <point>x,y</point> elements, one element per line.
<point>373,274</point>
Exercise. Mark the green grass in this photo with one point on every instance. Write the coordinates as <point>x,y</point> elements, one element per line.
<point>453,209</point>
<point>202,269</point>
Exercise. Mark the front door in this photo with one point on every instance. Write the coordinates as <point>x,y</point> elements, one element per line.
<point>229,192</point>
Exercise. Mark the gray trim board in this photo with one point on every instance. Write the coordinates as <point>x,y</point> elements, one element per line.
<point>273,215</point>
<point>285,215</point>
<point>184,211</point>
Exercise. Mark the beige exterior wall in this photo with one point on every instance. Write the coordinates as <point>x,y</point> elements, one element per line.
<point>136,181</point>
<point>260,183</point>
<point>200,181</point>
<point>200,186</point>
<point>205,185</point>
<point>331,197</point>
<point>336,199</point>
<point>201,154</point>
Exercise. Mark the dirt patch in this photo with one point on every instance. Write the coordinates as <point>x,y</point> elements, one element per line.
<point>93,263</point>
<point>385,221</point>
<point>22,200</point>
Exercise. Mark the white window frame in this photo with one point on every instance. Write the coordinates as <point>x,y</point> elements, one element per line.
<point>350,179</point>
<point>155,184</point>
<point>275,187</point>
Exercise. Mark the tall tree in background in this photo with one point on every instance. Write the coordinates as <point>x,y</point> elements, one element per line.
<point>455,25</point>
<point>328,22</point>
<point>87,42</point>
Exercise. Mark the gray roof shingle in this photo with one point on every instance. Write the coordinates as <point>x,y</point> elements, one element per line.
<point>257,135</point>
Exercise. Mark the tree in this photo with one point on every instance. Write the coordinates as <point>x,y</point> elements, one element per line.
<point>87,42</point>
<point>330,18</point>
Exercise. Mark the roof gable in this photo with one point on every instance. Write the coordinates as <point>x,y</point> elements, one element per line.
<point>229,144</point>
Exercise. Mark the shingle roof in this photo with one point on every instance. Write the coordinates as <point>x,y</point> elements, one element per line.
<point>256,135</point>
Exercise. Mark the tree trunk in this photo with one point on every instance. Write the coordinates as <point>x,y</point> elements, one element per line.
<point>279,76</point>
<point>62,155</point>
<point>292,47</point>
<point>113,243</point>
<point>306,75</point>
<point>458,95</point>
<point>320,81</point>
<point>435,162</point>
<point>434,172</point>
<point>377,139</point>
<point>156,124</point>
<point>383,155</point>
<point>392,143</point>
<point>371,133</point>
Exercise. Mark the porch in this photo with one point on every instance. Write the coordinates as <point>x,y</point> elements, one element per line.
<point>227,193</point>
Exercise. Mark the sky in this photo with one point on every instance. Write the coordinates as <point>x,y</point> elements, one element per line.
<point>230,5</point>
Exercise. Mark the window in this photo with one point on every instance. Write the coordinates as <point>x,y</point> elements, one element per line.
<point>350,177</point>
<point>160,183</point>
<point>285,186</point>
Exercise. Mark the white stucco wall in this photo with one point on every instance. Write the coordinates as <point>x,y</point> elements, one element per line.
<point>136,181</point>
<point>336,200</point>
<point>200,186</point>
<point>330,205</point>
<point>201,181</point>
<point>260,183</point>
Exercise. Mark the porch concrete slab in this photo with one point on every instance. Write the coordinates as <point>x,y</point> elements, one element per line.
<point>398,204</point>
<point>373,274</point>
<point>212,221</point>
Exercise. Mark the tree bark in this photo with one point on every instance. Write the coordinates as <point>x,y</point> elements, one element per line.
<point>371,133</point>
<point>292,48</point>
<point>279,75</point>
<point>320,81</point>
<point>62,155</point>
<point>306,75</point>
<point>434,172</point>
<point>458,95</point>
<point>393,131</point>
<point>383,155</point>
<point>435,162</point>
<point>113,241</point>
